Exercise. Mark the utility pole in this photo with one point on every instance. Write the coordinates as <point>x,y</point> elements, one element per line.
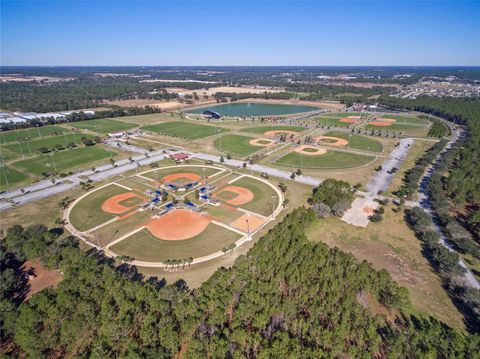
<point>53,161</point>
<point>21,151</point>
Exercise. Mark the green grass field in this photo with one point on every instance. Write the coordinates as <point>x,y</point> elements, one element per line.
<point>11,136</point>
<point>263,129</point>
<point>144,246</point>
<point>31,147</point>
<point>104,125</point>
<point>332,121</point>
<point>403,123</point>
<point>236,145</point>
<point>88,212</point>
<point>183,129</point>
<point>341,114</point>
<point>262,202</point>
<point>358,142</point>
<point>329,160</point>
<point>64,160</point>
<point>406,120</point>
<point>10,176</point>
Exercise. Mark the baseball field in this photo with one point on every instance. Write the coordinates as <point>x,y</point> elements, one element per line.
<point>195,212</point>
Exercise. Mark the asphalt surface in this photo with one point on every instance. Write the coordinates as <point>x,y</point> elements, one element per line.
<point>362,207</point>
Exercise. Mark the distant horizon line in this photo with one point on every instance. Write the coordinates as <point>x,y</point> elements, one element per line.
<point>113,66</point>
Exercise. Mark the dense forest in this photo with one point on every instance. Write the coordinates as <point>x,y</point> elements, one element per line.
<point>288,297</point>
<point>461,180</point>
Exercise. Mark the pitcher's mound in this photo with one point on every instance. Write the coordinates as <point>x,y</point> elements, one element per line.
<point>310,150</point>
<point>235,195</point>
<point>264,142</point>
<point>333,141</point>
<point>178,224</point>
<point>121,202</point>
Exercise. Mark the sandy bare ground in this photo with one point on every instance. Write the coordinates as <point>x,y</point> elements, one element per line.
<point>164,105</point>
<point>41,277</point>
<point>227,89</point>
<point>327,105</point>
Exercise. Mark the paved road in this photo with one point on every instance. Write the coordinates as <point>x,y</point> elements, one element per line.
<point>46,188</point>
<point>362,207</point>
<point>425,203</point>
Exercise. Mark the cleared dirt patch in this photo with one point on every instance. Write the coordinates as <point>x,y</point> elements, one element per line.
<point>121,203</point>
<point>178,225</point>
<point>247,222</point>
<point>275,133</point>
<point>334,141</point>
<point>310,150</point>
<point>40,277</point>
<point>264,142</point>
<point>181,178</point>
<point>243,195</point>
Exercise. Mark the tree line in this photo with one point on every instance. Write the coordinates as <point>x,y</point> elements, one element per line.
<point>288,297</point>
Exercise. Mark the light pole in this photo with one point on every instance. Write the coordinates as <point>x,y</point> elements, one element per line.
<point>2,164</point>
<point>53,161</point>
<point>21,151</point>
<point>38,129</point>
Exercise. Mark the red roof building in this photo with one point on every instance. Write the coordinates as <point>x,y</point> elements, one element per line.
<point>180,156</point>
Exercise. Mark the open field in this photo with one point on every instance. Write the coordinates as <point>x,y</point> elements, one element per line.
<point>33,146</point>
<point>18,135</point>
<point>236,145</point>
<point>391,245</point>
<point>65,160</point>
<point>103,125</point>
<point>330,159</point>
<point>88,212</point>
<point>10,176</point>
<point>184,129</point>
<point>143,246</point>
<point>358,142</point>
<point>340,114</point>
<point>263,129</point>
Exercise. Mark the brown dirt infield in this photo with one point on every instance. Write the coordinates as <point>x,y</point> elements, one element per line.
<point>181,178</point>
<point>350,119</point>
<point>275,133</point>
<point>333,141</point>
<point>244,195</point>
<point>258,142</point>
<point>247,222</point>
<point>113,206</point>
<point>178,224</point>
<point>317,150</point>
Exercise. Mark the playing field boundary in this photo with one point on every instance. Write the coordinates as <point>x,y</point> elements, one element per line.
<point>245,237</point>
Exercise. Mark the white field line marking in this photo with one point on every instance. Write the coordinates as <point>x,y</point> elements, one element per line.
<point>123,186</point>
<point>124,237</point>
<point>253,213</point>
<point>101,225</point>
<point>236,179</point>
<point>229,228</point>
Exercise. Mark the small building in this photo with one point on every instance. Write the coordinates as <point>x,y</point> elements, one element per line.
<point>212,114</point>
<point>179,157</point>
<point>117,134</point>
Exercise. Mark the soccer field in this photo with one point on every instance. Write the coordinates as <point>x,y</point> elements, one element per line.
<point>29,147</point>
<point>104,125</point>
<point>18,135</point>
<point>64,160</point>
<point>183,129</point>
<point>236,145</point>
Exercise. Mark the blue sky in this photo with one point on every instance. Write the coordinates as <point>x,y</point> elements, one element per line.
<point>240,33</point>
